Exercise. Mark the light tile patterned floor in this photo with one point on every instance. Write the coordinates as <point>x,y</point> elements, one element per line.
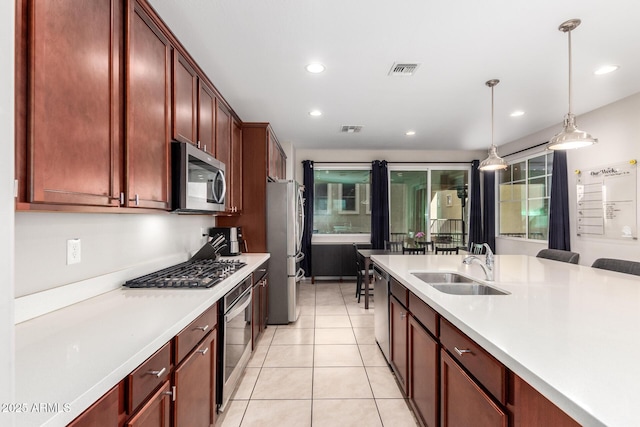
<point>324,370</point>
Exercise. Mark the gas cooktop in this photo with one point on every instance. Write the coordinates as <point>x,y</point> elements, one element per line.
<point>202,273</point>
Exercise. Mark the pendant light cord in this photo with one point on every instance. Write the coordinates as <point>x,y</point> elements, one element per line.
<point>570,72</point>
<point>492,126</point>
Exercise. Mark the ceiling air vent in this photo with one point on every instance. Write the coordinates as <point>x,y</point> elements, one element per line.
<point>351,129</point>
<point>403,69</point>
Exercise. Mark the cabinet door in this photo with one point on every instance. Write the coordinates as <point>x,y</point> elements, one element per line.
<point>264,304</point>
<point>235,175</point>
<point>154,413</point>
<point>148,112</point>
<point>104,412</point>
<point>255,314</point>
<point>74,101</point>
<point>185,87</point>
<point>192,379</point>
<point>223,141</point>
<point>464,403</point>
<point>398,336</point>
<point>206,118</point>
<point>531,409</point>
<point>424,378</point>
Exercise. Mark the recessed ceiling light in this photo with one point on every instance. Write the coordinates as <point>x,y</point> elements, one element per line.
<point>606,69</point>
<point>315,68</point>
<point>410,132</point>
<point>315,113</point>
<point>517,113</point>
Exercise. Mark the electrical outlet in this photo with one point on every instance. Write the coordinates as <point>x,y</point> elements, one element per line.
<point>73,251</point>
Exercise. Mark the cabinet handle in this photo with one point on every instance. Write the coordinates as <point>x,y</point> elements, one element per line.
<point>198,144</point>
<point>203,352</point>
<point>461,352</point>
<point>201,328</point>
<point>171,393</point>
<point>403,315</point>
<point>137,199</point>
<point>158,374</point>
<point>205,147</point>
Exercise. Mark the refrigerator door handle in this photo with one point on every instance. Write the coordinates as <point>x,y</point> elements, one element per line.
<point>299,256</point>
<point>299,275</point>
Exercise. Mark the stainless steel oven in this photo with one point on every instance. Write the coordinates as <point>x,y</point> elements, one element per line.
<point>235,339</point>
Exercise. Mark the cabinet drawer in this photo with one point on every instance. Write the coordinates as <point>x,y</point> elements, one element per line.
<point>148,376</point>
<point>425,314</point>
<point>485,368</point>
<point>400,292</point>
<point>194,332</point>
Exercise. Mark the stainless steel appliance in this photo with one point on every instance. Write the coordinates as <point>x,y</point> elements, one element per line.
<point>197,180</point>
<point>381,313</point>
<point>285,223</point>
<point>195,273</point>
<point>233,239</point>
<point>235,339</point>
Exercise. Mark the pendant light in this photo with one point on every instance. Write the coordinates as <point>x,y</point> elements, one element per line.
<point>493,162</point>
<point>570,136</point>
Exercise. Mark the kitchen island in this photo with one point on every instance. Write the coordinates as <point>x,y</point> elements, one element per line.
<point>570,331</point>
<point>67,359</point>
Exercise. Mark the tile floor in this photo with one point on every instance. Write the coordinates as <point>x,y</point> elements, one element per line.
<point>323,370</point>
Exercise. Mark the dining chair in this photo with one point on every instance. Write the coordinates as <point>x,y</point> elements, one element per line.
<point>361,275</point>
<point>446,250</point>
<point>413,250</point>
<point>392,246</point>
<point>619,265</point>
<point>427,245</point>
<point>477,248</point>
<point>559,255</point>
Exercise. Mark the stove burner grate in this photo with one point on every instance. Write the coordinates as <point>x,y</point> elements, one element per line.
<point>203,273</point>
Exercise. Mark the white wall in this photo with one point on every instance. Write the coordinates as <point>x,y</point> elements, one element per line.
<point>617,127</point>
<point>7,17</point>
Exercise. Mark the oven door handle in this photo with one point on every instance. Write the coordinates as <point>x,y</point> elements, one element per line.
<point>239,306</point>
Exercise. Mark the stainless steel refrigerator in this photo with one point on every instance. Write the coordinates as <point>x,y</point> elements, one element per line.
<point>285,223</point>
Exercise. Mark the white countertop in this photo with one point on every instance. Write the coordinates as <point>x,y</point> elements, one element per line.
<point>572,332</point>
<point>74,355</point>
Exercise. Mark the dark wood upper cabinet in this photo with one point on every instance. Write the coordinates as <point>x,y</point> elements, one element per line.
<point>223,135</point>
<point>185,92</point>
<point>234,176</point>
<point>206,118</point>
<point>71,150</point>
<point>148,93</point>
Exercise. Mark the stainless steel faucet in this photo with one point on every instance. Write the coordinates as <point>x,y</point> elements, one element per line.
<point>487,265</point>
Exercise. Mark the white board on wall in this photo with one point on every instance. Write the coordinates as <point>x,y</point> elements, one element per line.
<point>607,201</point>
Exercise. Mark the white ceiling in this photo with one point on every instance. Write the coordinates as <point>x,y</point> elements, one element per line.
<point>255,52</point>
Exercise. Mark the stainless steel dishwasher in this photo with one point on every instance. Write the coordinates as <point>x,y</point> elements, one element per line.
<point>381,312</point>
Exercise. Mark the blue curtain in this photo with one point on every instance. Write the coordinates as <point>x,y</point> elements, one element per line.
<point>307,180</point>
<point>559,235</point>
<point>475,213</point>
<point>379,204</point>
<point>489,203</point>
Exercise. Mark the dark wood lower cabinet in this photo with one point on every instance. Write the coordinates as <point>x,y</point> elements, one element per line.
<point>193,381</point>
<point>424,373</point>
<point>463,402</point>
<point>155,412</point>
<point>105,412</point>
<point>398,317</point>
<point>531,409</point>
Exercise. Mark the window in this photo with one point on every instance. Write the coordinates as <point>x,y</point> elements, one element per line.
<point>430,201</point>
<point>524,190</point>
<point>341,200</point>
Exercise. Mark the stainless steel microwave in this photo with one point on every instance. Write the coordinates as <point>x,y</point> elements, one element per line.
<point>198,180</point>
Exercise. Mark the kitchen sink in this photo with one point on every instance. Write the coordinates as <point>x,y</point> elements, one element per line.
<point>456,284</point>
<point>431,278</point>
<point>467,289</point>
